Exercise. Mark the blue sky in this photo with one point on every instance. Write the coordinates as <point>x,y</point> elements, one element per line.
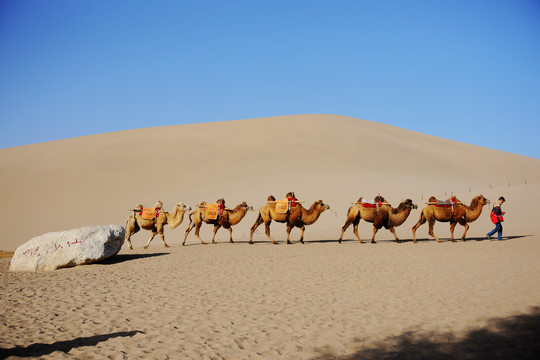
<point>463,70</point>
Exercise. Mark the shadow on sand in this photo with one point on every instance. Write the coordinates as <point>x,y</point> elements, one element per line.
<point>40,349</point>
<point>483,238</point>
<point>120,258</point>
<point>515,337</point>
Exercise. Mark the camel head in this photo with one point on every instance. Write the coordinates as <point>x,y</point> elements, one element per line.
<point>183,207</point>
<point>243,205</point>
<point>321,206</point>
<point>409,203</point>
<point>482,200</point>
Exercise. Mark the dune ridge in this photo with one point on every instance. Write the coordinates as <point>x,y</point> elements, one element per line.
<point>95,179</point>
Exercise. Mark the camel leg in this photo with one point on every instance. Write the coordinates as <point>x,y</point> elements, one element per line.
<point>355,223</point>
<point>258,222</point>
<point>129,232</point>
<point>154,233</point>
<point>452,227</point>
<point>462,222</point>
<point>373,237</point>
<point>289,228</point>
<point>216,228</point>
<point>267,231</point>
<point>343,229</point>
<point>230,235</point>
<point>131,228</point>
<point>189,228</point>
<point>393,231</point>
<point>160,232</point>
<point>431,223</point>
<point>420,222</point>
<point>302,234</point>
<point>197,230</point>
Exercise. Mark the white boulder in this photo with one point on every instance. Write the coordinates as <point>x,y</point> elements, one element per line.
<point>60,249</point>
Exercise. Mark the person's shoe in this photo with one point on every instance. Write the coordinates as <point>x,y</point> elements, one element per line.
<point>488,237</point>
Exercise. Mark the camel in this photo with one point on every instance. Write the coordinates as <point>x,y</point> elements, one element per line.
<point>386,216</point>
<point>135,222</point>
<point>460,214</point>
<point>390,217</point>
<point>357,212</point>
<point>227,220</point>
<point>298,217</point>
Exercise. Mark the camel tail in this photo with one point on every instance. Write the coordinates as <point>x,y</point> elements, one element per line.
<point>190,215</point>
<point>259,219</point>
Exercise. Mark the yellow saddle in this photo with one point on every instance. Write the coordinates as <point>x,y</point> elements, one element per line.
<point>148,214</point>
<point>282,206</point>
<point>211,211</point>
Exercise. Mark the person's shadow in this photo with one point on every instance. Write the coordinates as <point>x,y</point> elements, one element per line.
<point>41,349</point>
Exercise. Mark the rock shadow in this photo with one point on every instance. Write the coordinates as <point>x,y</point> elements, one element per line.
<point>120,258</point>
<point>41,349</point>
<point>515,337</point>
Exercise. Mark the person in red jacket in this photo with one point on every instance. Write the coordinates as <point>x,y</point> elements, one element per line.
<point>221,205</point>
<point>292,200</point>
<point>497,218</point>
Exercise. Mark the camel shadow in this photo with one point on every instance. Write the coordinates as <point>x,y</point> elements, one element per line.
<point>514,337</point>
<point>120,258</point>
<point>481,238</point>
<point>41,349</point>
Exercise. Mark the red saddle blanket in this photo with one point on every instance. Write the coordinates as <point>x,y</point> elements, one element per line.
<point>445,203</point>
<point>371,205</point>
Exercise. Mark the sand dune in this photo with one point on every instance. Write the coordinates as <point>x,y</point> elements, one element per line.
<point>95,179</point>
<point>320,300</point>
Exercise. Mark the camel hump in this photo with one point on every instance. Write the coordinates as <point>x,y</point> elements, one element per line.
<point>271,198</point>
<point>379,198</point>
<point>360,199</point>
<point>432,199</point>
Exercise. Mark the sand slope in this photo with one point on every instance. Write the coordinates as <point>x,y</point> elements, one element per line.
<point>320,300</point>
<point>94,180</point>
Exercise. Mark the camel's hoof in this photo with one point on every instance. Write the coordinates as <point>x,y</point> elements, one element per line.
<point>339,241</point>
<point>232,242</point>
<point>373,242</point>
<point>275,243</point>
<point>213,242</point>
<point>398,241</point>
<point>167,245</point>
<point>454,240</point>
<point>204,243</point>
<point>251,242</point>
<point>146,247</point>
<point>288,242</point>
<point>302,241</point>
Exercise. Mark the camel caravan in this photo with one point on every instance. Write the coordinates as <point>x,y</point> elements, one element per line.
<point>292,213</point>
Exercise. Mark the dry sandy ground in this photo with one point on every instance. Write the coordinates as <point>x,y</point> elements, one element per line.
<point>262,301</point>
<point>477,299</point>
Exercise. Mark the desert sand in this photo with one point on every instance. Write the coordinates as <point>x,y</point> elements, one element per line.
<point>320,300</point>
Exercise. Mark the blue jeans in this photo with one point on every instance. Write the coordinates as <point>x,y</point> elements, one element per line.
<point>498,229</point>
